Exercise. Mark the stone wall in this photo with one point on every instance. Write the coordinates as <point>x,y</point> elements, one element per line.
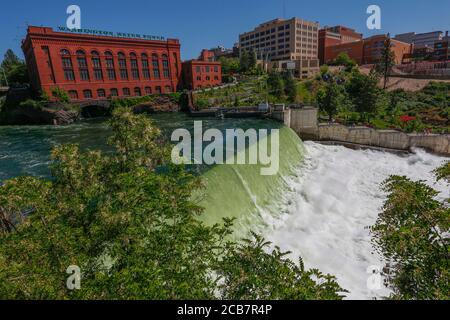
<point>304,122</point>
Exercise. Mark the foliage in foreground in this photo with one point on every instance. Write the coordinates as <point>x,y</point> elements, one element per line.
<point>129,222</point>
<point>412,233</point>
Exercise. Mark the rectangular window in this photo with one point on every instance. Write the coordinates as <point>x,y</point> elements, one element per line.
<point>124,74</point>
<point>84,74</point>
<point>111,74</point>
<point>98,74</point>
<point>96,63</point>
<point>82,63</point>
<point>67,63</point>
<point>69,75</point>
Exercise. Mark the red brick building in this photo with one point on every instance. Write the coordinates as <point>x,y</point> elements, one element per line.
<point>332,36</point>
<point>203,72</point>
<point>368,51</point>
<point>101,65</point>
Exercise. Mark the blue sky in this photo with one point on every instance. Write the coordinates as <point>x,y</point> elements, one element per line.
<point>208,23</point>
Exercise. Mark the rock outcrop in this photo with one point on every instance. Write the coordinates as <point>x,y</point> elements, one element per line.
<point>158,104</point>
<point>27,115</point>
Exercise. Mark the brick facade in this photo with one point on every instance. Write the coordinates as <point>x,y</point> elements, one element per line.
<point>332,36</point>
<point>100,67</point>
<point>202,73</point>
<point>368,51</point>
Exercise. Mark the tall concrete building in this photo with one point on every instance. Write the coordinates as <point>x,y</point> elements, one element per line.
<point>281,41</point>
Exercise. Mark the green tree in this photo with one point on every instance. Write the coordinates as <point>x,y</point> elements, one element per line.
<point>329,99</point>
<point>275,84</point>
<point>395,97</point>
<point>229,65</point>
<point>411,233</point>
<point>443,173</point>
<point>14,69</point>
<point>343,59</point>
<point>128,220</point>
<point>290,87</point>
<point>387,61</point>
<point>363,93</point>
<point>244,61</point>
<point>10,59</point>
<point>252,61</point>
<point>60,95</point>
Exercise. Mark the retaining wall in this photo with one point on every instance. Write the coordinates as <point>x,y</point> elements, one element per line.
<point>304,122</point>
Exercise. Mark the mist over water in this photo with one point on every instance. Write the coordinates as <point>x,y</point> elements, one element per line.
<point>332,200</point>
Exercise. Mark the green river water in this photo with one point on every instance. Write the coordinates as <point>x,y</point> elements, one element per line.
<point>238,191</point>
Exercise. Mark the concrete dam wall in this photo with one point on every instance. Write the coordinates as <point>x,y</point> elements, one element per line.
<point>304,122</point>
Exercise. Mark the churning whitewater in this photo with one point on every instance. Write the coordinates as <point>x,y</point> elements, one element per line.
<point>333,198</point>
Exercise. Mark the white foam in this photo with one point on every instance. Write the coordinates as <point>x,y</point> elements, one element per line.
<point>332,200</point>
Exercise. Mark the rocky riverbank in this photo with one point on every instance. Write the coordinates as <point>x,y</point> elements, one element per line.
<point>32,112</point>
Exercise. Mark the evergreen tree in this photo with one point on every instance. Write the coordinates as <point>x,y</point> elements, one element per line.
<point>387,61</point>
<point>290,87</point>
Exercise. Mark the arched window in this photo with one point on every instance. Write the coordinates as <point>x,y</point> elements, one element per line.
<point>87,94</point>
<point>101,93</point>
<point>69,74</point>
<point>145,66</point>
<point>134,66</point>
<point>114,92</point>
<point>126,91</point>
<point>148,91</point>
<point>165,63</point>
<point>158,90</point>
<point>137,92</point>
<point>73,94</point>
<point>168,89</point>
<point>97,64</point>
<point>155,62</point>
<point>123,66</point>
<point>82,65</point>
<point>110,65</point>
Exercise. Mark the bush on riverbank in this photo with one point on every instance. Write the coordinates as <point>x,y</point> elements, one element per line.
<point>134,101</point>
<point>129,222</point>
<point>412,235</point>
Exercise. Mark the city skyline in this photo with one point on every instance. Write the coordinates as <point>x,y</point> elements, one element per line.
<point>202,24</point>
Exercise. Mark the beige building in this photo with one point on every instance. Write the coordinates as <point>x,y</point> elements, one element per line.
<point>282,41</point>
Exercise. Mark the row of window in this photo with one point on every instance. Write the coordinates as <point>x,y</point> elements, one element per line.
<point>137,71</point>
<point>281,28</point>
<point>206,69</point>
<point>101,93</point>
<point>207,78</point>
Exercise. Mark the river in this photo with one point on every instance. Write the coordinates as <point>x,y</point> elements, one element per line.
<point>318,206</point>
